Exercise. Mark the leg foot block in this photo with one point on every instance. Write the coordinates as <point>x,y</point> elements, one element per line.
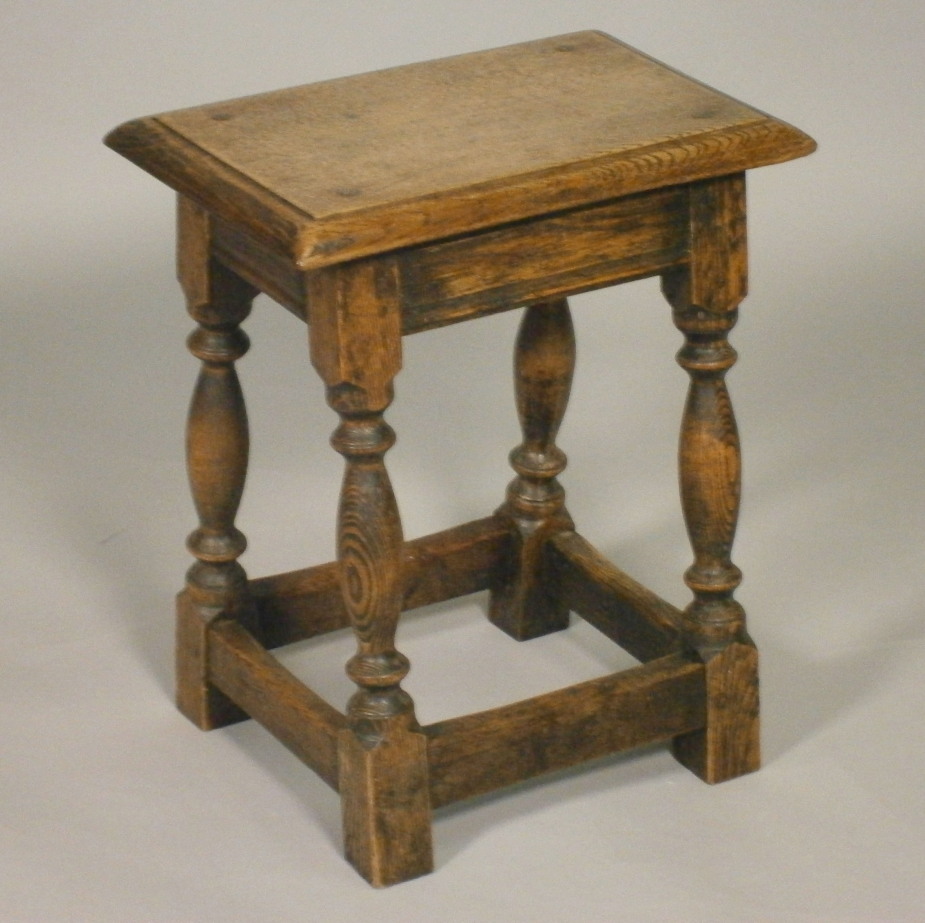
<point>729,745</point>
<point>385,798</point>
<point>197,698</point>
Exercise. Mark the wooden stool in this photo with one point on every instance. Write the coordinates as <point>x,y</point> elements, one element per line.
<point>380,205</point>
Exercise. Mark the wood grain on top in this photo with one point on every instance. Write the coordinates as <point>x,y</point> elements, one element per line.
<point>349,167</point>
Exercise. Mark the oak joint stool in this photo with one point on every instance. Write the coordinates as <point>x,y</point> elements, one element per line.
<point>383,204</point>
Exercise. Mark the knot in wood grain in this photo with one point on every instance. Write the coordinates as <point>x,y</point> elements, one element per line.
<point>220,344</point>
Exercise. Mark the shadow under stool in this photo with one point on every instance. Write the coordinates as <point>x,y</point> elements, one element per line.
<point>380,205</point>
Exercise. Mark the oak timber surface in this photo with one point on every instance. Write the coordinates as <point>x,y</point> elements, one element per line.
<point>356,165</point>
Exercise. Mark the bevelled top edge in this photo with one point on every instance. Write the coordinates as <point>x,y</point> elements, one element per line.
<point>763,142</point>
<point>187,169</point>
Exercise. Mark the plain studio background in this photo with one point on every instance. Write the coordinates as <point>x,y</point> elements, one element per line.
<point>114,808</point>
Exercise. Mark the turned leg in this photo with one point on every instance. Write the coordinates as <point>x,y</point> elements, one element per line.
<point>217,448</point>
<point>355,342</point>
<point>705,297</point>
<point>523,601</point>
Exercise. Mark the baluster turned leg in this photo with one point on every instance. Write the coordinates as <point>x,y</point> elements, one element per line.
<point>355,341</point>
<point>217,449</point>
<point>523,602</point>
<point>705,298</point>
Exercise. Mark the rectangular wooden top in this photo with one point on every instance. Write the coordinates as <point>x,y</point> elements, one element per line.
<point>345,168</point>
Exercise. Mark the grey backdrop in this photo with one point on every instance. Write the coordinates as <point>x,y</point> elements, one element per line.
<point>113,808</point>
